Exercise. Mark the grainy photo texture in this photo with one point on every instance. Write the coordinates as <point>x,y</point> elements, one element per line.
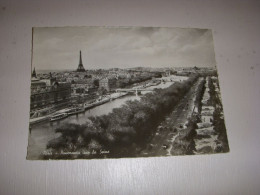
<point>116,92</point>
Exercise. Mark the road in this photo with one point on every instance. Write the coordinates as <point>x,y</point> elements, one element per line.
<point>171,127</point>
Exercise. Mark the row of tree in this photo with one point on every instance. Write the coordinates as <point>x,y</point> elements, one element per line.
<point>125,82</point>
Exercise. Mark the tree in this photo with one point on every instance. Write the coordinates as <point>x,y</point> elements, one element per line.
<point>96,82</point>
<point>102,91</point>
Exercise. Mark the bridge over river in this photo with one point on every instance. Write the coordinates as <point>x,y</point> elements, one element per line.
<point>135,90</point>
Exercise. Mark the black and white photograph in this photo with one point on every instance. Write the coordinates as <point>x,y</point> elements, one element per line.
<point>124,92</point>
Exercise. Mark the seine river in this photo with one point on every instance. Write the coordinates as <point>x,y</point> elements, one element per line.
<point>43,132</point>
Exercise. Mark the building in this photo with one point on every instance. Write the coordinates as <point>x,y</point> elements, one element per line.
<point>166,73</point>
<point>35,82</point>
<point>82,86</point>
<point>206,118</point>
<point>57,94</point>
<point>80,67</point>
<point>34,73</point>
<point>108,84</point>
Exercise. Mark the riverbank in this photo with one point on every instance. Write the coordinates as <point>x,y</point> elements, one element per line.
<point>124,130</point>
<point>43,132</point>
<point>85,106</point>
<point>143,85</point>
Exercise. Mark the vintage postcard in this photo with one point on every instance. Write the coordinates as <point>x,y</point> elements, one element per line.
<point>117,92</point>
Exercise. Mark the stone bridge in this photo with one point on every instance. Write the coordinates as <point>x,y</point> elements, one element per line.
<point>136,90</point>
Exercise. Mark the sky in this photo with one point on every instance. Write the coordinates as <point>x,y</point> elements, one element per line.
<point>57,48</point>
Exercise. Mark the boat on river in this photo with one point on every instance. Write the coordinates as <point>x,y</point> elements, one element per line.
<point>75,111</point>
<point>96,103</point>
<point>102,101</point>
<point>59,116</point>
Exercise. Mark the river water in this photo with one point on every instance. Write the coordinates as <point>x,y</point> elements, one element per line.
<point>43,132</point>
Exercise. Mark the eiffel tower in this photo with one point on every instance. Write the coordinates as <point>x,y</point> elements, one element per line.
<point>80,67</point>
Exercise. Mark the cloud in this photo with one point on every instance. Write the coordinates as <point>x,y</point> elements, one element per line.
<point>57,48</point>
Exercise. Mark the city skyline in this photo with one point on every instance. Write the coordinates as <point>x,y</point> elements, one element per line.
<point>57,48</point>
<point>117,92</point>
